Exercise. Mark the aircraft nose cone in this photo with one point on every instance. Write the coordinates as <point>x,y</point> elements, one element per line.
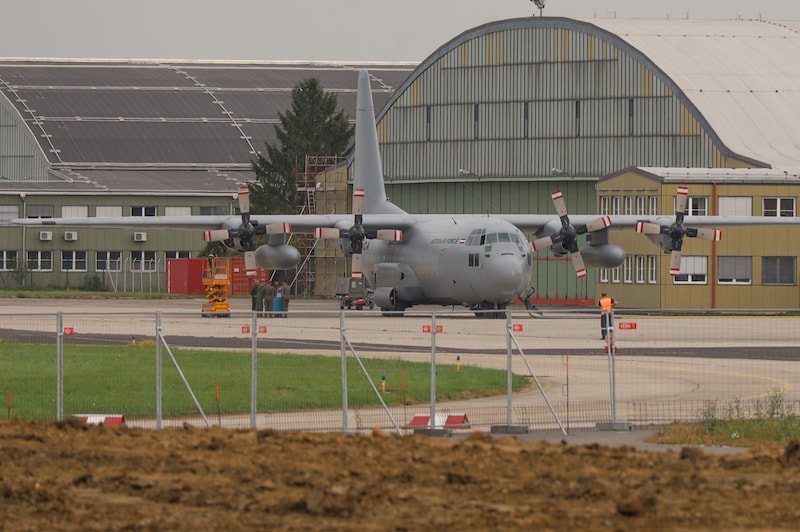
<point>505,278</point>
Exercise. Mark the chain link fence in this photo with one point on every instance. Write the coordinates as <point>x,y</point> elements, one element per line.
<point>357,371</point>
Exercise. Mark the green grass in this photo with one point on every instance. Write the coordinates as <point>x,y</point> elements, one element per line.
<point>767,423</point>
<point>121,380</point>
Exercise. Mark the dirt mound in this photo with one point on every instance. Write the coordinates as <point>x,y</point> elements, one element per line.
<point>72,476</point>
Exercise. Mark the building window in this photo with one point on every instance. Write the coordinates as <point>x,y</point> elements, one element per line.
<point>603,275</point>
<point>73,261</point>
<point>143,211</point>
<point>8,213</point>
<point>694,270</point>
<point>696,206</point>
<point>641,205</point>
<point>616,205</point>
<point>629,205</point>
<point>74,211</point>
<point>653,208</point>
<point>108,211</point>
<point>40,211</point>
<point>213,211</point>
<point>640,271</point>
<point>615,274</point>
<point>778,207</point>
<point>8,260</point>
<point>735,206</point>
<point>143,261</point>
<point>652,269</point>
<point>110,261</point>
<point>40,260</point>
<point>177,254</point>
<point>628,269</point>
<point>177,211</point>
<point>604,205</point>
<point>735,270</point>
<point>778,270</point>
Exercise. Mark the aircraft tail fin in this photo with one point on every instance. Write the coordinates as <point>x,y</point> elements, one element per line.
<point>368,171</point>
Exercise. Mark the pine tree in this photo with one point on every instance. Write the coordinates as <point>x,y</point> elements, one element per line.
<point>312,126</point>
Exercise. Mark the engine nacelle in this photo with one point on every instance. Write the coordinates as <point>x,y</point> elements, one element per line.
<point>603,256</point>
<point>280,257</point>
<point>385,297</point>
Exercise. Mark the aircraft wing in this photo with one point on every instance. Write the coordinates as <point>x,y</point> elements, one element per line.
<point>301,223</point>
<point>531,223</point>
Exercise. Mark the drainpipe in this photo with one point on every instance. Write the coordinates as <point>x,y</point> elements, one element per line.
<point>23,260</point>
<point>714,250</point>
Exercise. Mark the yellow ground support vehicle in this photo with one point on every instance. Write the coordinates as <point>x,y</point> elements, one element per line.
<point>217,279</point>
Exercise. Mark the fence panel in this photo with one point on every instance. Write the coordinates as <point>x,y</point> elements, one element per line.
<point>245,370</point>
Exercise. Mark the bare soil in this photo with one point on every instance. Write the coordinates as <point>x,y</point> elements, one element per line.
<point>65,476</point>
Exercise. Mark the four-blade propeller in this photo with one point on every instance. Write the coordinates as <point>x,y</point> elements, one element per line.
<point>567,236</point>
<point>246,232</point>
<point>357,234</point>
<point>677,231</point>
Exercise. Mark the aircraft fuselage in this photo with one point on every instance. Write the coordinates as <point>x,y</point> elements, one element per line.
<point>470,261</point>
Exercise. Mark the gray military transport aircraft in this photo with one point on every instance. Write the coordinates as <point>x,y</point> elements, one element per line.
<point>482,262</point>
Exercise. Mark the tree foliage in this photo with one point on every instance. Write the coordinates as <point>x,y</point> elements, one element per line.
<point>312,126</point>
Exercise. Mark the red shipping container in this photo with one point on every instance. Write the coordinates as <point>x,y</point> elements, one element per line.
<point>185,276</point>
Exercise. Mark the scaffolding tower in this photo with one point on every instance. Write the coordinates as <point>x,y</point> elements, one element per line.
<point>321,187</point>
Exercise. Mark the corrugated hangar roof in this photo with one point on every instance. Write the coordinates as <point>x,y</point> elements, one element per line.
<point>743,76</point>
<point>93,119</point>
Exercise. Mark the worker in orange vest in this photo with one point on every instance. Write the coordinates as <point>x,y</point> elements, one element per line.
<point>606,305</point>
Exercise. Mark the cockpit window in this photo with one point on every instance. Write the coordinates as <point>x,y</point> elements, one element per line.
<point>503,237</point>
<point>491,238</point>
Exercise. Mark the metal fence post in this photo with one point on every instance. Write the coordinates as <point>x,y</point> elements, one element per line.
<point>253,369</point>
<point>509,373</point>
<point>344,370</point>
<point>433,370</point>
<point>159,369</point>
<point>60,366</point>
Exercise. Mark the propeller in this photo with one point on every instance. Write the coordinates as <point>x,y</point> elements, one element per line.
<point>567,236</point>
<point>246,232</point>
<point>357,234</point>
<point>677,231</point>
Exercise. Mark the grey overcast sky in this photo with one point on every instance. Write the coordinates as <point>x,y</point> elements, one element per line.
<point>335,30</point>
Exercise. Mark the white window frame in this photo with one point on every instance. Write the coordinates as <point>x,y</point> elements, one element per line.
<point>144,210</point>
<point>641,205</point>
<point>616,205</point>
<point>615,275</point>
<point>143,261</point>
<point>603,275</point>
<point>627,269</point>
<point>694,270</point>
<point>40,260</point>
<point>652,205</point>
<point>640,269</point>
<point>9,260</point>
<point>695,206</point>
<point>652,269</point>
<point>628,202</point>
<point>177,254</point>
<point>111,259</point>
<point>604,205</point>
<point>73,260</point>
<point>784,206</point>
